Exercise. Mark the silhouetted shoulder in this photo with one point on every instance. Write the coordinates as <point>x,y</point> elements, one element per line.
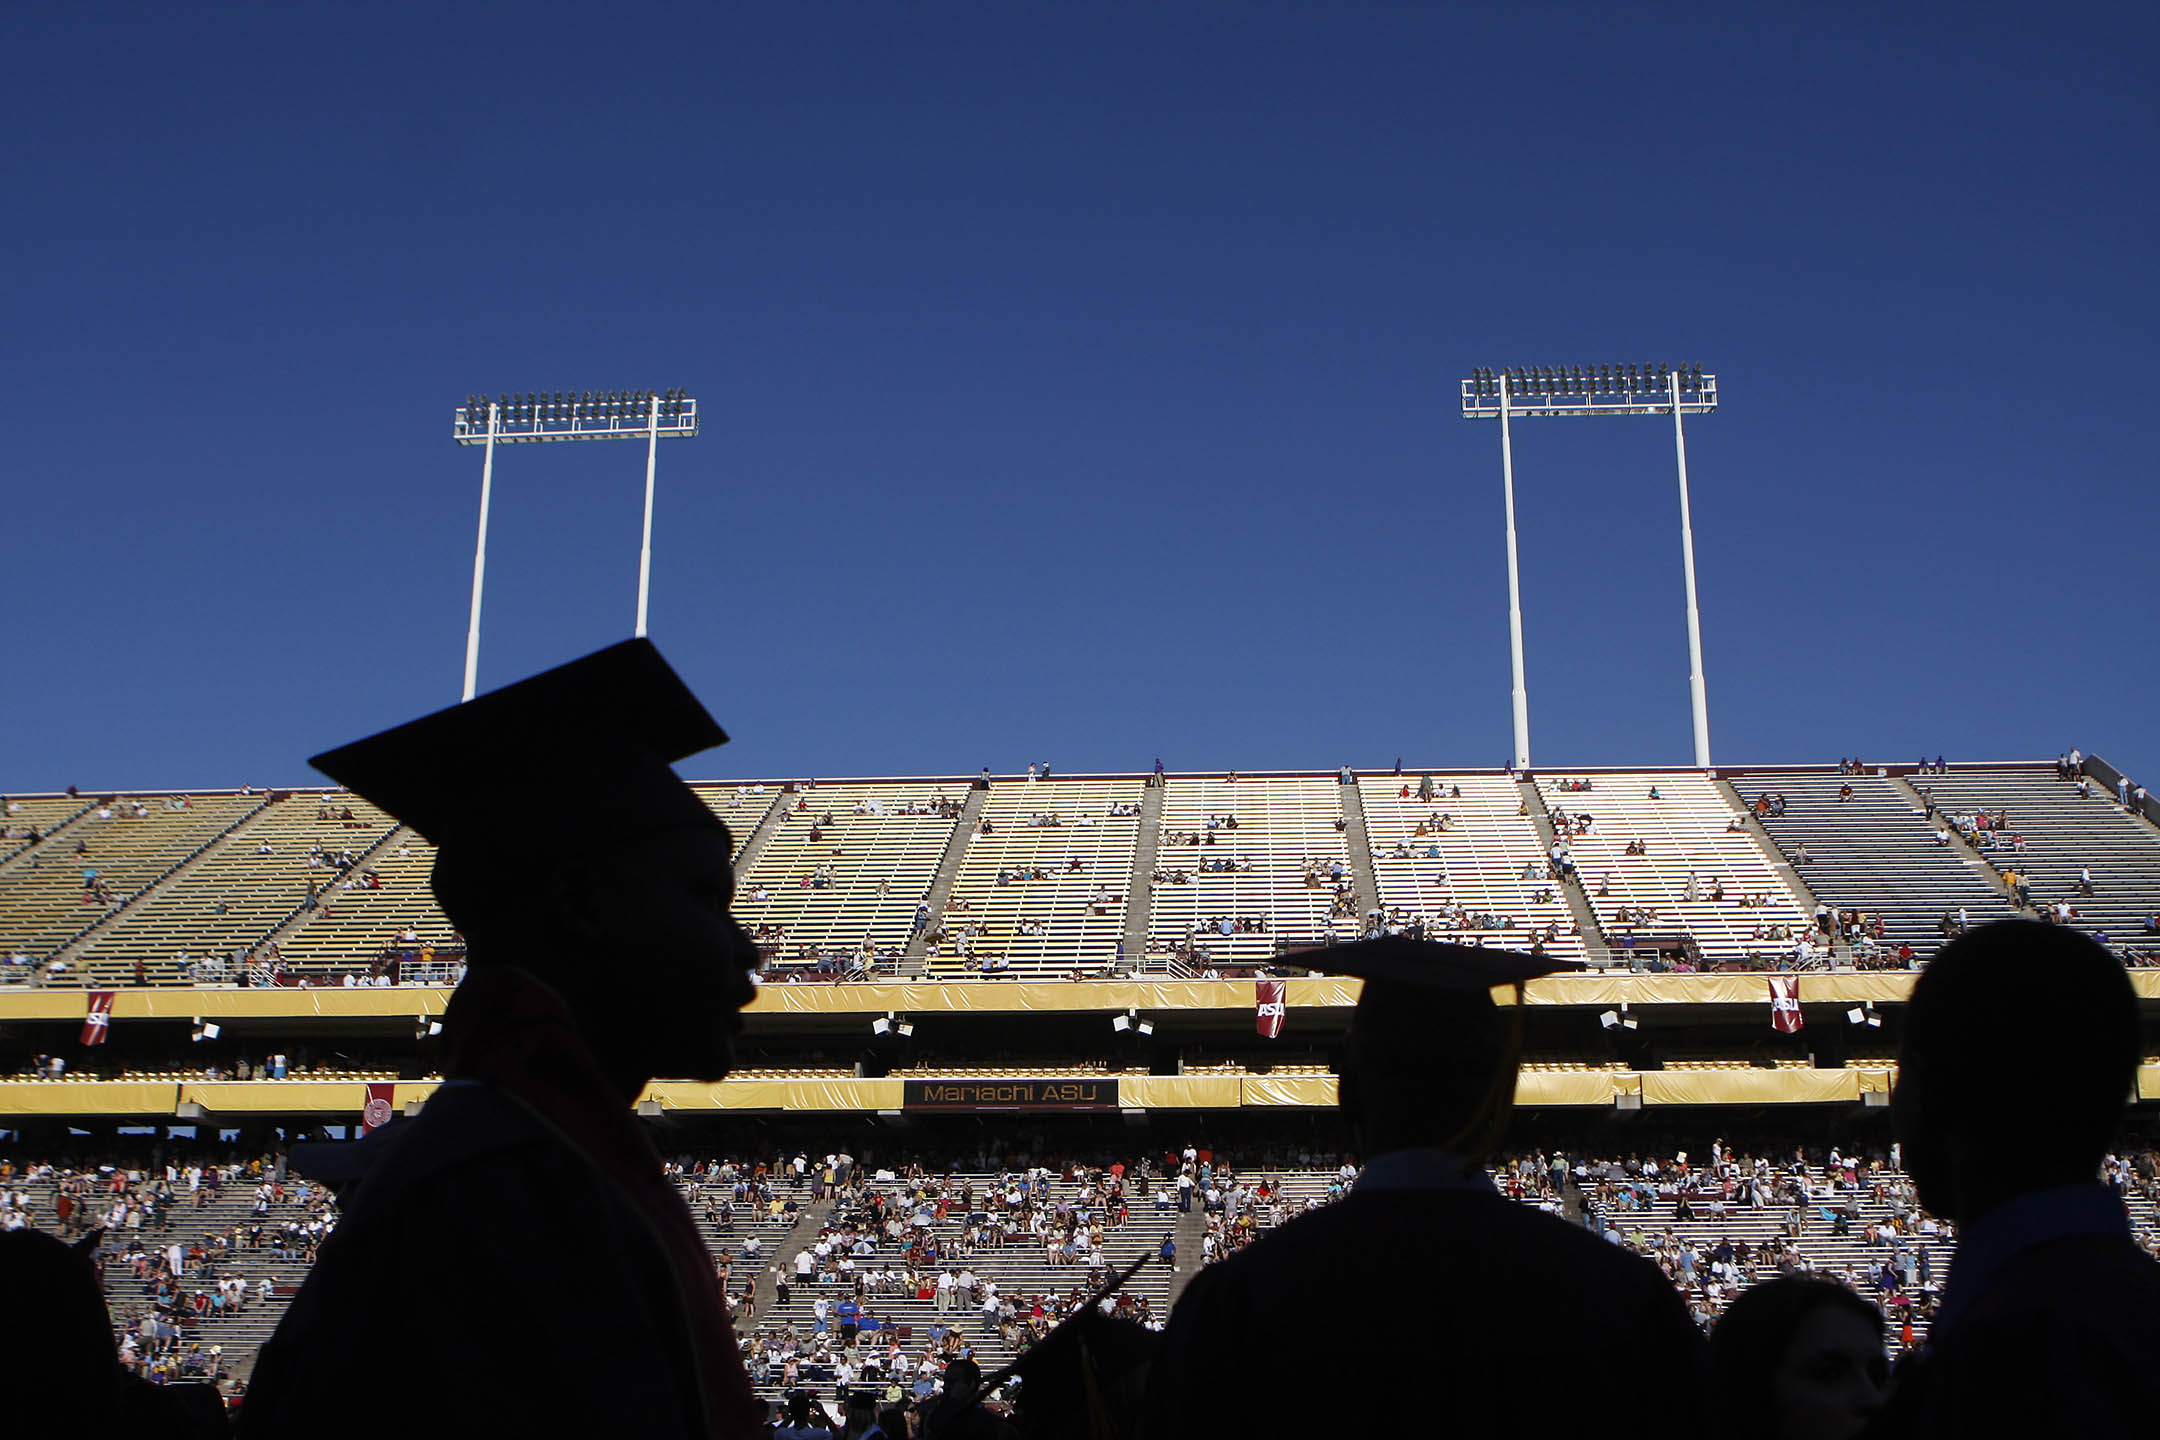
<point>1475,1288</point>
<point>2064,1341</point>
<point>490,1235</point>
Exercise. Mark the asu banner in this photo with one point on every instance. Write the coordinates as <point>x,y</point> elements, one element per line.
<point>1019,1093</point>
<point>99,1018</point>
<point>1269,996</point>
<point>377,1111</point>
<point>1785,1003</point>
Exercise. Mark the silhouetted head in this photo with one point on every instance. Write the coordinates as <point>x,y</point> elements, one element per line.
<point>2021,1043</point>
<point>1802,1353</point>
<point>62,1362</point>
<point>569,849</point>
<point>1431,1060</point>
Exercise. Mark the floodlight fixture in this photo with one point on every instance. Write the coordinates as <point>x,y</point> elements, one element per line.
<point>559,415</point>
<point>904,1029</point>
<point>882,1025</point>
<point>1864,1015</point>
<point>1594,390</point>
<point>205,1029</point>
<point>1131,1023</point>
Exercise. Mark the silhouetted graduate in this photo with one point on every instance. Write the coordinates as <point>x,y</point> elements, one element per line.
<point>1424,1268</point>
<point>515,1261</point>
<point>2021,1045</point>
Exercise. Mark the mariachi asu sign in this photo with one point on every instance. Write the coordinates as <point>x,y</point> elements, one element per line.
<point>1017,1094</point>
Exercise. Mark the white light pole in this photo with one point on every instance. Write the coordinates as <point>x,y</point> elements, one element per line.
<point>1504,395</point>
<point>1514,587</point>
<point>1697,691</point>
<point>479,559</point>
<point>652,454</point>
<point>537,419</point>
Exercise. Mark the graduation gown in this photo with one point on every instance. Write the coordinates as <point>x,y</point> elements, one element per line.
<point>2064,1340</point>
<point>514,1262</point>
<point>1487,1308</point>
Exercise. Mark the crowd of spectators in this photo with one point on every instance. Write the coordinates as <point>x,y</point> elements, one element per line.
<point>182,1245</point>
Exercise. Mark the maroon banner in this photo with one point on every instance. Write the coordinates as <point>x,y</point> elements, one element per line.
<point>378,1110</point>
<point>1785,1003</point>
<point>99,1018</point>
<point>1270,995</point>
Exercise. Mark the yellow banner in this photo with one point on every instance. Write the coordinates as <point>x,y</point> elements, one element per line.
<point>1181,1092</point>
<point>232,1097</point>
<point>1749,1087</point>
<point>1312,1091</point>
<point>836,1094</point>
<point>2148,1082</point>
<point>1599,989</point>
<point>87,1097</point>
<point>1564,1087</point>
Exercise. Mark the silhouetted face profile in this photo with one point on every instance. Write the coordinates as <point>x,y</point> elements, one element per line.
<point>569,849</point>
<point>668,963</point>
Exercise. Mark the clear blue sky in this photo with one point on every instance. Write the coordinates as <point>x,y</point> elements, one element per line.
<point>1079,382</point>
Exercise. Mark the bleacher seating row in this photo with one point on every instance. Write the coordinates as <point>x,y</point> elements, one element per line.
<point>1046,884</point>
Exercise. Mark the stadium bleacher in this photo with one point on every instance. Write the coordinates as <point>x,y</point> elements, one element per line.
<point>107,859</point>
<point>1875,853</point>
<point>255,878</point>
<point>1042,893</point>
<point>225,875</point>
<point>1696,874</point>
<point>39,815</point>
<point>355,925</point>
<point>1243,868</point>
<point>2063,831</point>
<point>845,869</point>
<point>1475,878</point>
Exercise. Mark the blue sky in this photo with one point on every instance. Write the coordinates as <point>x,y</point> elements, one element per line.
<point>1079,382</point>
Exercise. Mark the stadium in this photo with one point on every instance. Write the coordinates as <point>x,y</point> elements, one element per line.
<point>1123,386</point>
<point>973,986</point>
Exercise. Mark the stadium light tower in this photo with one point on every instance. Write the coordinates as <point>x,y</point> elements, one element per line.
<point>538,419</point>
<point>1596,390</point>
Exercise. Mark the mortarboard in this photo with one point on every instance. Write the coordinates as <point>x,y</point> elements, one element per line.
<point>600,732</point>
<point>1428,966</point>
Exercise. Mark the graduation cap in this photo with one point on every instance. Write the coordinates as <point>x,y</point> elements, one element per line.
<point>1427,970</point>
<point>600,731</point>
<point>1427,1009</point>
